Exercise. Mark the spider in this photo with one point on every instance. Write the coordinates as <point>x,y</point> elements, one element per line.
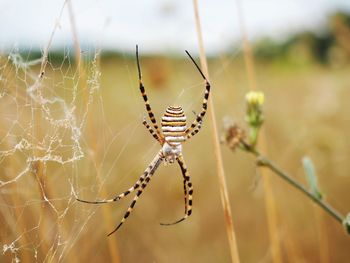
<point>174,133</point>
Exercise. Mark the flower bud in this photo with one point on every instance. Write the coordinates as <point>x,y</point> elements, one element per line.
<point>254,115</point>
<point>255,98</point>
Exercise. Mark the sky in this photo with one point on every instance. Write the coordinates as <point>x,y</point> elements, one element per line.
<point>157,25</point>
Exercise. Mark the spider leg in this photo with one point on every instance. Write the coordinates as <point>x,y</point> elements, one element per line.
<point>187,184</point>
<point>120,196</point>
<point>150,171</point>
<point>144,95</point>
<point>195,131</point>
<point>185,195</point>
<point>127,192</point>
<point>200,116</point>
<point>152,132</point>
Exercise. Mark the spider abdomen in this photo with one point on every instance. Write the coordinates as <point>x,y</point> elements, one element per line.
<point>174,125</point>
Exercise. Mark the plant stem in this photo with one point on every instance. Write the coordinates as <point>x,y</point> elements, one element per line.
<point>270,203</point>
<point>217,151</point>
<point>264,161</point>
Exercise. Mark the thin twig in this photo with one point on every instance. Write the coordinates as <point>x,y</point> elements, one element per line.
<point>264,161</point>
<point>217,151</point>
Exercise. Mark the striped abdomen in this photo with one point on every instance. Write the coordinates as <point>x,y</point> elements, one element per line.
<point>174,125</point>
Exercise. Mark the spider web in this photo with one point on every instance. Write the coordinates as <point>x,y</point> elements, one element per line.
<point>42,120</point>
<point>43,150</point>
<point>46,106</point>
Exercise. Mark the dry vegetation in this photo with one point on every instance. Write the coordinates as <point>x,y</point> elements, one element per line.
<point>306,113</point>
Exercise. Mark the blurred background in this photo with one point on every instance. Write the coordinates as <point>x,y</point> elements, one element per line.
<point>76,130</point>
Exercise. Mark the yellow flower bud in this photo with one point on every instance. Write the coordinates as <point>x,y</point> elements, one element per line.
<point>254,115</point>
<point>255,98</point>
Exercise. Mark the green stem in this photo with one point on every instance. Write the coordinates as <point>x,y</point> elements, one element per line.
<point>263,161</point>
<point>253,135</point>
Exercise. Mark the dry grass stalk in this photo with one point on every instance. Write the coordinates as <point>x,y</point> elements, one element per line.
<point>271,210</point>
<point>77,52</point>
<point>46,50</point>
<point>38,167</point>
<point>217,151</point>
<point>16,200</point>
<point>270,204</point>
<point>107,216</point>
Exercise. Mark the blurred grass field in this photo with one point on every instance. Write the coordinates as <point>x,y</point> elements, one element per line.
<point>78,132</point>
<point>306,111</point>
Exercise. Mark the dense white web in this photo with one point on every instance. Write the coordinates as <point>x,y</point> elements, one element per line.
<point>28,102</point>
<point>42,119</point>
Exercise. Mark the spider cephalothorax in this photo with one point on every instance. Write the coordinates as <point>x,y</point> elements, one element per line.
<point>171,152</point>
<point>171,136</point>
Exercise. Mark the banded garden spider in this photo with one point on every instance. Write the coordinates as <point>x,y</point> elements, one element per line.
<point>174,132</point>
